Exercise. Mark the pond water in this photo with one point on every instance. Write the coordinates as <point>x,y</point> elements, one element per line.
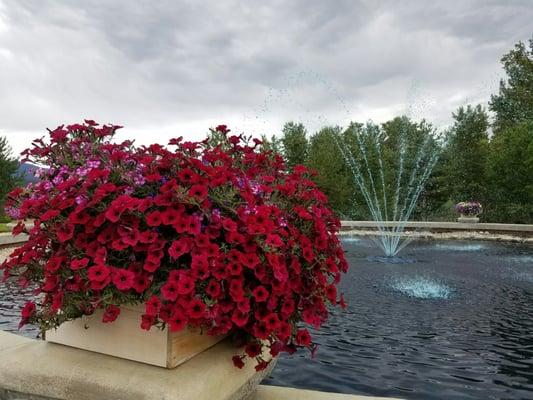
<point>455,321</point>
<point>446,320</point>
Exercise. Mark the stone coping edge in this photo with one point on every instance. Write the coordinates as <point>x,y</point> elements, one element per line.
<point>443,226</point>
<point>36,370</point>
<point>266,392</point>
<point>7,239</point>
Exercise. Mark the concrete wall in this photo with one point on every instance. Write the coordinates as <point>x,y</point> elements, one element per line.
<point>521,229</point>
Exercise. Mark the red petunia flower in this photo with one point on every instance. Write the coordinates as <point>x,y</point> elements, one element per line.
<point>187,176</point>
<point>342,303</point>
<point>237,361</point>
<point>240,318</point>
<point>185,284</point>
<point>79,264</point>
<point>147,321</point>
<point>260,294</point>
<point>65,232</point>
<point>261,331</point>
<point>284,330</point>
<point>236,290</point>
<point>152,306</point>
<point>193,226</point>
<point>170,291</point>
<point>154,219</point>
<point>213,289</point>
<point>199,192</point>
<point>271,321</point>
<point>262,365</point>
<point>50,283</point>
<point>199,262</point>
<point>229,225</point>
<point>113,213</point>
<point>274,241</point>
<point>235,269</point>
<point>249,260</point>
<point>74,284</point>
<point>123,279</point>
<point>28,310</point>
<point>253,349</point>
<point>177,320</point>
<point>111,313</point>
<point>57,301</point>
<point>98,273</point>
<point>170,217</point>
<point>331,293</point>
<point>54,264</point>
<point>222,129</point>
<point>196,308</point>
<point>141,283</point>
<point>303,338</point>
<point>50,214</point>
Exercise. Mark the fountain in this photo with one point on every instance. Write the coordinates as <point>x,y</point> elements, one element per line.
<point>421,288</point>
<point>390,186</point>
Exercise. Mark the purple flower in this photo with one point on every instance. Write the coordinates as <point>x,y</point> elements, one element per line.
<point>93,164</point>
<point>470,208</point>
<point>81,199</point>
<point>13,212</point>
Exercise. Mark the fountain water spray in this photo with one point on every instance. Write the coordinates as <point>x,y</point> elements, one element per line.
<point>390,194</point>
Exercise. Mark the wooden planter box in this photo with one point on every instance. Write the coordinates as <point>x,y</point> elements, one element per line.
<point>124,338</point>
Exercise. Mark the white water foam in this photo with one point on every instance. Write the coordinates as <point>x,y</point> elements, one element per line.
<point>460,247</point>
<point>422,288</point>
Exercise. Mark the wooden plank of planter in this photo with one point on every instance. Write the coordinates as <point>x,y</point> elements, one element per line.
<point>124,338</point>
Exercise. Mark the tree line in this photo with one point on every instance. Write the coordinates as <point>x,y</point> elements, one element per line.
<point>486,155</point>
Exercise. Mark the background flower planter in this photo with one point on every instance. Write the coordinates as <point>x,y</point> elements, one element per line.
<point>124,338</point>
<point>468,219</point>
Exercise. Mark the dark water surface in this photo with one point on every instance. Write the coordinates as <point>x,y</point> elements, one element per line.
<point>453,322</point>
<point>11,302</point>
<point>449,320</point>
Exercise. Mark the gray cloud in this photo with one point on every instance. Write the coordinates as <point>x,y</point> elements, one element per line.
<point>172,67</point>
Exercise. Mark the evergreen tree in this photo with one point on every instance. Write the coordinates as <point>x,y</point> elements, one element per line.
<point>514,102</point>
<point>510,165</point>
<point>466,161</point>
<point>408,149</point>
<point>273,144</point>
<point>9,178</point>
<point>333,177</point>
<point>295,144</point>
<point>511,175</point>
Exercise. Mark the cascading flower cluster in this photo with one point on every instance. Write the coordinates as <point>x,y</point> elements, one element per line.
<point>215,234</point>
<point>469,208</point>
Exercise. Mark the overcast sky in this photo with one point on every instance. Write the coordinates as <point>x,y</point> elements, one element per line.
<point>171,68</point>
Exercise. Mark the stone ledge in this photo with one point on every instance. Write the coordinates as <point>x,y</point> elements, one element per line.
<point>50,371</point>
<point>443,226</point>
<point>7,239</point>
<point>283,393</point>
